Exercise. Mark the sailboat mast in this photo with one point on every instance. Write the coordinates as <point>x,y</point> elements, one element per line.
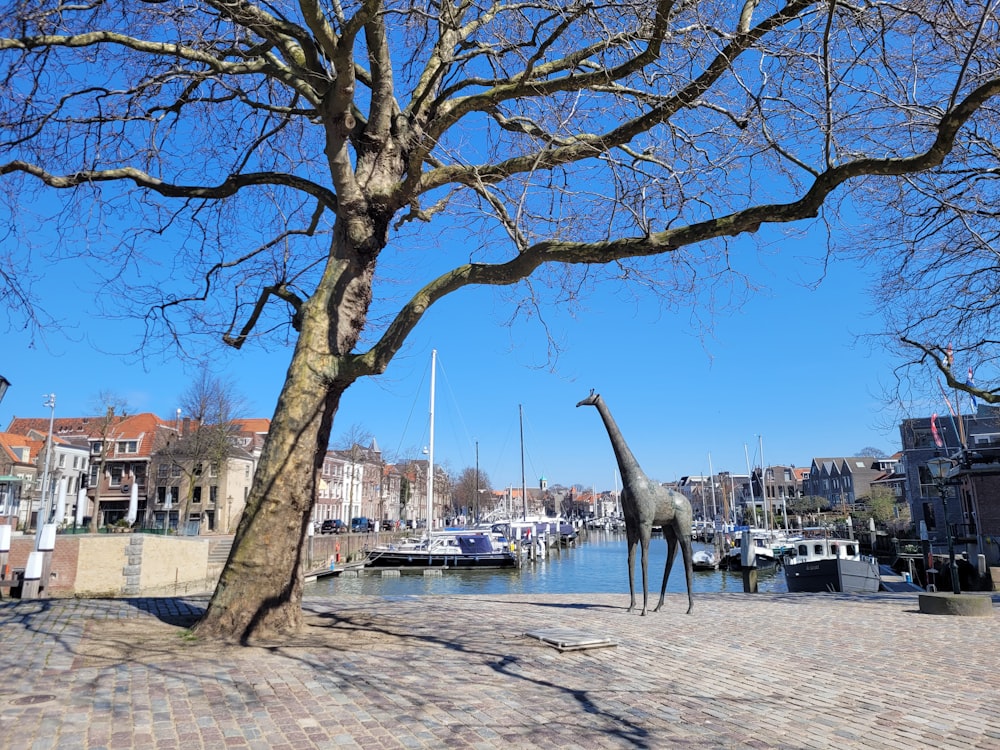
<point>763,483</point>
<point>753,504</point>
<point>430,455</point>
<point>524,490</point>
<point>711,479</point>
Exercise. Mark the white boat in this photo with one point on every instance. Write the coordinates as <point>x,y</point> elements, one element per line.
<point>704,560</point>
<point>767,550</point>
<point>831,565</point>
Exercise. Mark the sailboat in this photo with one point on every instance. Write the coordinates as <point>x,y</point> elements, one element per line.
<point>449,548</point>
<point>766,547</point>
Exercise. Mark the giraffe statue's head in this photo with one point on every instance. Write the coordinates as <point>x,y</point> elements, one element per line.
<point>591,400</point>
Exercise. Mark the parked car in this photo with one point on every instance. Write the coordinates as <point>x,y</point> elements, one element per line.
<point>333,526</point>
<point>361,524</point>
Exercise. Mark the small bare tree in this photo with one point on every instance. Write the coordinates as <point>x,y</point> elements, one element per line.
<point>113,409</point>
<point>204,439</point>
<point>271,169</point>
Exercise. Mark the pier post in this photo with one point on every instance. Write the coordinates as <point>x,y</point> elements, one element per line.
<point>748,563</point>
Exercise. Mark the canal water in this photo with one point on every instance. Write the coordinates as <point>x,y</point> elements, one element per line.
<point>597,564</point>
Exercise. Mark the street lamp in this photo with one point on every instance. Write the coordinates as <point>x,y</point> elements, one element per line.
<point>939,469</point>
<point>42,517</point>
<point>4,385</point>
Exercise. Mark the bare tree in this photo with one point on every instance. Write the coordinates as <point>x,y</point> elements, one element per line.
<point>872,451</point>
<point>113,409</point>
<point>277,163</point>
<point>210,410</point>
<point>468,489</point>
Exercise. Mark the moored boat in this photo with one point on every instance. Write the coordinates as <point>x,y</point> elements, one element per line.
<point>766,549</point>
<point>704,560</point>
<point>460,549</point>
<point>830,565</point>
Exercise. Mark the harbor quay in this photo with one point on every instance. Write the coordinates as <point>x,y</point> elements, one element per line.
<point>793,671</point>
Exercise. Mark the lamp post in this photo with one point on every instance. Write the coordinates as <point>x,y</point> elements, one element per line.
<point>939,468</point>
<point>4,385</point>
<point>41,519</point>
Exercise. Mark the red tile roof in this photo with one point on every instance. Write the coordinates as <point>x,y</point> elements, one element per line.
<point>139,427</point>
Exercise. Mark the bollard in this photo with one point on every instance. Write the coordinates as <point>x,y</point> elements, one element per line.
<point>32,575</point>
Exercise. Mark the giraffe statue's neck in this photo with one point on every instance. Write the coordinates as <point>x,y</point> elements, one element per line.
<point>629,467</point>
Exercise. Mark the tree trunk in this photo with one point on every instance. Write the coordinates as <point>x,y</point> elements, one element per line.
<point>260,592</point>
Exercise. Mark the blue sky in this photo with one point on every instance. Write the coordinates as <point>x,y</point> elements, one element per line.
<point>787,368</point>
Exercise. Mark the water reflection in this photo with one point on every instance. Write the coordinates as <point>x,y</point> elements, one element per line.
<point>596,565</point>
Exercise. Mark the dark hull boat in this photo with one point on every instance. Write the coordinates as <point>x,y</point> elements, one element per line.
<point>831,565</point>
<point>456,550</point>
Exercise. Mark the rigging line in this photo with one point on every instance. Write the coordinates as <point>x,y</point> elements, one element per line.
<point>420,389</point>
<point>462,447</point>
<point>526,453</point>
<point>501,454</point>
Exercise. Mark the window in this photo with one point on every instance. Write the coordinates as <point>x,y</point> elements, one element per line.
<point>213,494</point>
<point>175,470</point>
<point>213,469</point>
<point>127,446</point>
<point>116,474</point>
<point>95,447</point>
<point>196,496</point>
<point>162,471</point>
<point>62,460</point>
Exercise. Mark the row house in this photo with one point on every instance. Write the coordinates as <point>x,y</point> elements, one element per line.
<point>412,504</point>
<point>203,474</point>
<point>177,489</point>
<point>716,497</point>
<point>771,492</point>
<point>350,484</point>
<point>21,487</point>
<point>357,483</point>
<point>118,452</point>
<point>844,480</point>
<point>703,493</point>
<point>19,472</point>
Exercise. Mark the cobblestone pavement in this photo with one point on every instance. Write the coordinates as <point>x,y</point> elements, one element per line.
<point>742,671</point>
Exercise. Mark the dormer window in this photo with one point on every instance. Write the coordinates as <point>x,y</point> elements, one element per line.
<point>127,446</point>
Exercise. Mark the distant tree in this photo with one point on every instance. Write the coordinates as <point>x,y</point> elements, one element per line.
<point>870,451</point>
<point>469,492</point>
<point>881,504</point>
<point>258,171</point>
<point>808,504</point>
<point>203,439</point>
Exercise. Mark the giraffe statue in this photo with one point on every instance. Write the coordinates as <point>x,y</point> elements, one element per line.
<point>646,504</point>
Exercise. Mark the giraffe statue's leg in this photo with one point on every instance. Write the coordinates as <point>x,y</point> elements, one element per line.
<point>644,541</point>
<point>688,568</point>
<point>632,542</point>
<point>671,537</point>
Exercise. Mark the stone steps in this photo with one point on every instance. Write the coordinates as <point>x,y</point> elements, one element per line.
<point>218,550</point>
